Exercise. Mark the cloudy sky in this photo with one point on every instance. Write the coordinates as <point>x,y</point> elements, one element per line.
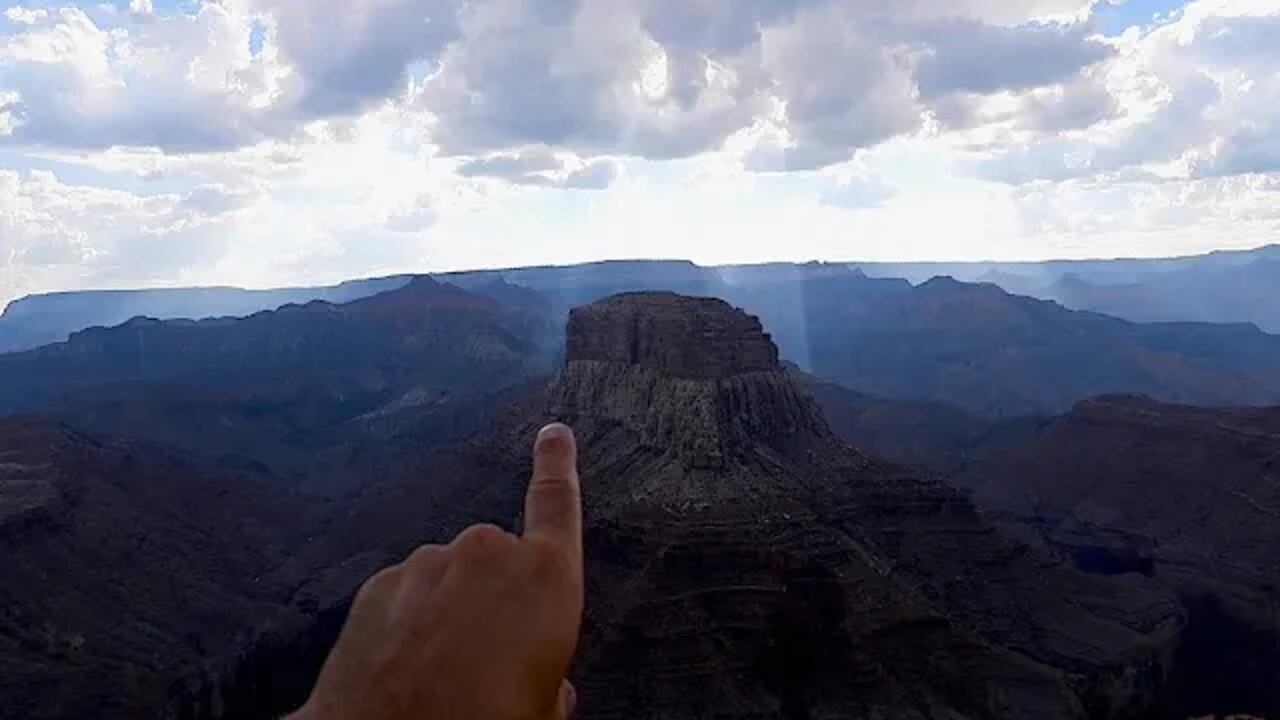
<point>265,142</point>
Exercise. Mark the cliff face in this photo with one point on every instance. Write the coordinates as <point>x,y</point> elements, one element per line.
<point>746,562</point>
<point>681,337</point>
<point>743,563</point>
<point>694,379</point>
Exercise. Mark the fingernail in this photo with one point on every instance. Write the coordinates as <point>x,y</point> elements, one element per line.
<point>555,431</point>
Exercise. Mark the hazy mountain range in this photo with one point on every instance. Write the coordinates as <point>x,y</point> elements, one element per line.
<point>1224,287</point>
<point>864,498</point>
<point>974,346</point>
<point>42,319</point>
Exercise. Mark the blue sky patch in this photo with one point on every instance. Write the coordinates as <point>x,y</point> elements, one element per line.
<point>1114,19</point>
<point>257,37</point>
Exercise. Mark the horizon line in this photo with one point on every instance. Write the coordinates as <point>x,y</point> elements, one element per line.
<point>586,263</point>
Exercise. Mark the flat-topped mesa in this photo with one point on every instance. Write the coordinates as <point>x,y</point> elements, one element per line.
<point>682,337</point>
<point>695,377</point>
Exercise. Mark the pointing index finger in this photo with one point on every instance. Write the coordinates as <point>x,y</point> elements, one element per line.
<point>553,505</point>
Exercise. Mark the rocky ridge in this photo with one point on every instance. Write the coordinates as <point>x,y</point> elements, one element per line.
<point>744,563</point>
<point>737,537</point>
<point>122,565</point>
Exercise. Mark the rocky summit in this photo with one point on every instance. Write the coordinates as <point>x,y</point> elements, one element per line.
<point>693,378</point>
<point>745,563</point>
<point>683,337</point>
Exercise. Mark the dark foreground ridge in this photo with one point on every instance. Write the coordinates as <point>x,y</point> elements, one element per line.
<point>1188,495</point>
<point>120,564</point>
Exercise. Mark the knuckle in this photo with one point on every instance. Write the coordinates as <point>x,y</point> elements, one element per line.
<point>379,584</point>
<point>423,558</point>
<point>554,487</point>
<point>482,540</point>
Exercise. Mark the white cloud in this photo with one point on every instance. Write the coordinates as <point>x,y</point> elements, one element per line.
<point>10,112</point>
<point>584,77</point>
<point>217,199</point>
<point>415,217</point>
<point>1009,13</point>
<point>25,16</point>
<point>595,175</point>
<point>657,79</point>
<point>264,141</point>
<point>1193,97</point>
<point>348,55</point>
<point>29,233</point>
<point>353,199</point>
<point>101,231</point>
<point>179,82</point>
<point>859,193</point>
<point>540,167</point>
<point>58,236</point>
<point>1171,217</point>
<point>648,78</point>
<point>511,165</point>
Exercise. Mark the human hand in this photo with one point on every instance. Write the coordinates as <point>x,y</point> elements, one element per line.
<point>483,628</point>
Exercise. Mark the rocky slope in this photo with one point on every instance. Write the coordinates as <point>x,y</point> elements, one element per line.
<point>932,436</point>
<point>1188,495</point>
<point>745,563</point>
<point>122,565</point>
<point>281,387</point>
<point>994,354</point>
<point>425,329</point>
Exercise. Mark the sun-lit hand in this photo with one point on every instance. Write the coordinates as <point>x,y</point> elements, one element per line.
<point>483,628</point>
